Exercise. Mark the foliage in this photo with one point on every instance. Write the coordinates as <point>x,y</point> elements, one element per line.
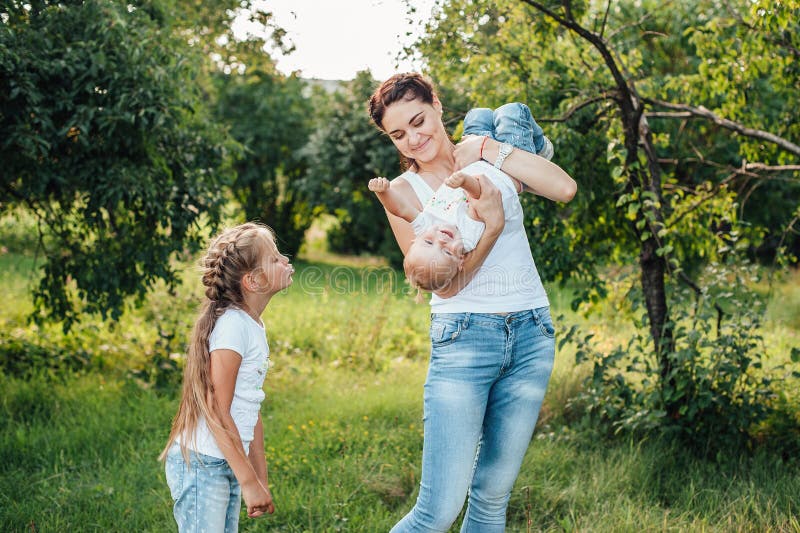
<point>694,119</point>
<point>343,422</point>
<point>269,115</point>
<point>749,70</point>
<point>344,153</point>
<point>718,377</point>
<point>343,446</point>
<point>106,141</point>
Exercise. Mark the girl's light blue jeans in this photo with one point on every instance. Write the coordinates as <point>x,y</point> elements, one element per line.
<point>510,123</point>
<point>207,495</point>
<point>486,381</point>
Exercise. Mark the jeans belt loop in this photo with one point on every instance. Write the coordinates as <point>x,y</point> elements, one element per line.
<point>466,320</point>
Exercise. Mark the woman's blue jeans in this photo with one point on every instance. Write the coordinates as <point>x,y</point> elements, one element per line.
<point>486,381</point>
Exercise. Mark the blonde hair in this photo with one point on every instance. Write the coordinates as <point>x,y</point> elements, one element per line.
<point>423,275</point>
<point>232,254</point>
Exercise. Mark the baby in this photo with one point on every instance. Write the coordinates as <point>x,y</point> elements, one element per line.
<point>447,227</point>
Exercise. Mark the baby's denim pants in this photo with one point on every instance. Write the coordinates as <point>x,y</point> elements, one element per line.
<point>510,123</point>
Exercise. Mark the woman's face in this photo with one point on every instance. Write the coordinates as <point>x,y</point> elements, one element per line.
<point>416,128</point>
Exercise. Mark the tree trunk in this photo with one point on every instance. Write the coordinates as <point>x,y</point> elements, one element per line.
<point>653,266</point>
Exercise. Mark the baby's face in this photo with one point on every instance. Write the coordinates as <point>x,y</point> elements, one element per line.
<point>441,242</point>
<point>438,251</point>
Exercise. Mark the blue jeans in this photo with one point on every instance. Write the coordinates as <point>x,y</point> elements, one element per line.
<point>486,381</point>
<point>510,123</point>
<point>207,495</point>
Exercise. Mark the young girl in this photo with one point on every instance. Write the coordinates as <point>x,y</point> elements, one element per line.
<point>215,451</point>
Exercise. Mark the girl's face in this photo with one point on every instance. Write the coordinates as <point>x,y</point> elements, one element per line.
<point>416,128</point>
<point>276,271</point>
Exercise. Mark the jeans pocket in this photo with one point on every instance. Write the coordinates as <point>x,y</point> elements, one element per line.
<point>545,323</point>
<point>444,332</point>
<point>208,461</point>
<point>175,469</point>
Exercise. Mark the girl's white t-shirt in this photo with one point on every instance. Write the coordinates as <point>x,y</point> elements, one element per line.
<point>236,330</point>
<point>508,280</point>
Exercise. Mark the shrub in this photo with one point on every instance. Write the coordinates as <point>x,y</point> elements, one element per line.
<point>725,396</point>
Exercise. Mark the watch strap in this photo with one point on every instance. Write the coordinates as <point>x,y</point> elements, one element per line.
<point>505,150</point>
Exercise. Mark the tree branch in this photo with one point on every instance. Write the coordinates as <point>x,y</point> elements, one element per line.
<point>751,170</point>
<point>577,107</point>
<point>605,19</point>
<point>598,42</point>
<point>703,112</point>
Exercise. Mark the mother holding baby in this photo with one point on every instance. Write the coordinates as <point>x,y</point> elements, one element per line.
<point>492,338</point>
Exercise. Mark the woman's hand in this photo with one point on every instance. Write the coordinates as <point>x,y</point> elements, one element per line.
<point>489,206</point>
<point>468,151</point>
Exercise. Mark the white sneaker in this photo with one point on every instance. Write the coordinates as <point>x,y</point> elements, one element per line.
<point>547,150</point>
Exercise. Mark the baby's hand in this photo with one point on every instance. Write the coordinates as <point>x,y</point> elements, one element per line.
<point>455,180</point>
<point>378,185</point>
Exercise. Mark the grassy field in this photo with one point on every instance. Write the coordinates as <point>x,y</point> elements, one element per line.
<point>342,421</point>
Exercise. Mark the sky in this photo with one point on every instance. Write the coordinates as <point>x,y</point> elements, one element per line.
<point>334,39</point>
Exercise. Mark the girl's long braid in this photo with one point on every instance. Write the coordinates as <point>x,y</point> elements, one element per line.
<point>234,253</point>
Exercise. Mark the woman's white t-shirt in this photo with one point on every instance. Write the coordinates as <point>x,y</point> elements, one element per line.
<point>508,280</point>
<point>236,330</point>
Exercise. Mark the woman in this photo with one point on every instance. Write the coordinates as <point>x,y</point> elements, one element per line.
<point>492,339</point>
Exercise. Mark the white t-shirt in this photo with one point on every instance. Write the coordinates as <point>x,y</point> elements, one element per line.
<point>508,280</point>
<point>451,206</point>
<point>236,330</point>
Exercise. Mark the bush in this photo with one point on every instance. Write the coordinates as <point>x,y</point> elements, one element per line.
<point>717,397</point>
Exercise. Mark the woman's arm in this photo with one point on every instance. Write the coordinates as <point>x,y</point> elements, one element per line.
<point>224,369</point>
<point>489,208</point>
<point>539,175</point>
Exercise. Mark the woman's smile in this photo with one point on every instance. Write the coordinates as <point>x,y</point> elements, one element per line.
<point>422,146</point>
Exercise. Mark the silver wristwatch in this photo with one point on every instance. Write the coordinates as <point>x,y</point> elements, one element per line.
<point>505,150</point>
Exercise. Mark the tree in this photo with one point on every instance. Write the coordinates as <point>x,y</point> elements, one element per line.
<point>105,139</point>
<point>269,115</point>
<point>694,102</point>
<point>344,152</point>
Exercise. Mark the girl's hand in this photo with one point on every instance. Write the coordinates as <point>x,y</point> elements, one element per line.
<point>468,151</point>
<point>258,499</point>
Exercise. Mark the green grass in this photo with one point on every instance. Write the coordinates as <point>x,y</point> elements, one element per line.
<point>342,422</point>
<point>343,448</point>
